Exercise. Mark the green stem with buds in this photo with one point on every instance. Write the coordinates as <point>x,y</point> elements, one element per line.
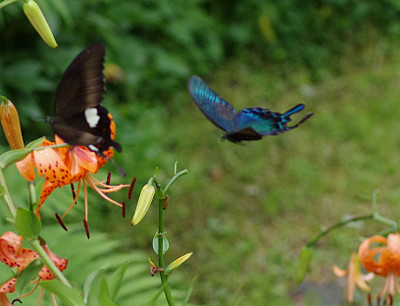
<point>161,193</point>
<point>164,278</point>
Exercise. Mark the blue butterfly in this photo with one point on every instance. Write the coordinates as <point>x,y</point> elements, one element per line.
<point>249,124</point>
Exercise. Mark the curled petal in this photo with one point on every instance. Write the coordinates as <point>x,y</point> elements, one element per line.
<point>60,263</point>
<point>81,160</point>
<point>13,254</point>
<point>367,255</point>
<point>390,257</point>
<point>339,272</point>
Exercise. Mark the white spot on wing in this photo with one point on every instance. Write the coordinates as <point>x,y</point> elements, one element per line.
<point>92,118</point>
<point>93,148</point>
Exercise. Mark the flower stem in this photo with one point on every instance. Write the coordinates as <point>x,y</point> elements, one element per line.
<point>49,264</point>
<point>7,196</point>
<point>164,278</point>
<point>6,2</point>
<point>337,225</point>
<point>174,178</point>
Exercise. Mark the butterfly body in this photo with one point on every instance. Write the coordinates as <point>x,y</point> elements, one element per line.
<point>249,124</point>
<point>79,118</point>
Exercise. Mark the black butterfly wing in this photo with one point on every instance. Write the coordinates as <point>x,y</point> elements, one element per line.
<point>216,109</point>
<point>247,134</point>
<point>82,85</point>
<point>79,118</point>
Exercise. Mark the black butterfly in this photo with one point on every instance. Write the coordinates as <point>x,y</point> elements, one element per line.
<point>79,119</point>
<point>251,123</point>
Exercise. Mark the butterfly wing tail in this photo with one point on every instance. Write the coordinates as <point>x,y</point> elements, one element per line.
<point>301,121</point>
<point>294,110</point>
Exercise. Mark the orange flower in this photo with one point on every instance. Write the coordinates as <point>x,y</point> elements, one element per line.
<point>383,261</point>
<point>14,255</point>
<point>354,277</point>
<point>65,166</point>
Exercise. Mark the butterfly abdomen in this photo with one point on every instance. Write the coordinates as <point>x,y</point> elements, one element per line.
<point>259,119</point>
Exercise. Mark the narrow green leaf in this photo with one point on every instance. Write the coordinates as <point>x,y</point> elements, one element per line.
<point>2,191</point>
<point>104,294</point>
<point>36,143</point>
<point>304,262</point>
<point>115,282</point>
<point>28,224</point>
<point>10,157</point>
<point>87,286</point>
<point>29,274</point>
<point>69,296</point>
<point>189,291</point>
<point>165,243</point>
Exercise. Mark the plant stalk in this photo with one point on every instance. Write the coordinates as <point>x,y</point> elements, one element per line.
<point>164,278</point>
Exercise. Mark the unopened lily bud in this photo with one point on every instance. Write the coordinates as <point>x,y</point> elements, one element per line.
<point>11,126</point>
<point>177,262</point>
<point>35,16</point>
<point>145,199</point>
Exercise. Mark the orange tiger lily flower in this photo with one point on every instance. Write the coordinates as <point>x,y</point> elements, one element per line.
<point>383,261</point>
<point>14,255</point>
<point>65,166</point>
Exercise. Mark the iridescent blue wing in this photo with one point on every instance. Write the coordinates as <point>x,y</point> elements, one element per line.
<point>216,109</point>
<point>256,122</point>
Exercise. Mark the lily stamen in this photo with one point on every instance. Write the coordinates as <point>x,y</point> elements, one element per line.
<point>92,183</point>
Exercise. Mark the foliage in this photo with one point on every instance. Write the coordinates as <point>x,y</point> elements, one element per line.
<point>159,44</point>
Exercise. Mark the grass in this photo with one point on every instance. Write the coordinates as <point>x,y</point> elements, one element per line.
<point>247,210</point>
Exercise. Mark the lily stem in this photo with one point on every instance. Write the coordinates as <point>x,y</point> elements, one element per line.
<point>7,197</point>
<point>49,264</point>
<point>174,178</point>
<point>164,278</point>
<point>337,225</point>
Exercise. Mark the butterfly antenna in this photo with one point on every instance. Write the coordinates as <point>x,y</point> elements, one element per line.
<point>119,168</point>
<point>301,121</point>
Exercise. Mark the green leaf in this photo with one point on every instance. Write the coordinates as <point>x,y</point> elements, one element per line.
<point>87,286</point>
<point>2,191</point>
<point>69,296</point>
<point>5,273</point>
<point>28,224</point>
<point>36,143</point>
<point>165,243</point>
<point>304,262</point>
<point>104,295</point>
<point>27,275</point>
<point>10,157</point>
<point>115,282</point>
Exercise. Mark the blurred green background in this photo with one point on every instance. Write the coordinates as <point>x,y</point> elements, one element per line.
<point>244,210</point>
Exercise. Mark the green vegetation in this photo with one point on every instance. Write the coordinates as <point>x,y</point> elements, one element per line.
<point>244,210</point>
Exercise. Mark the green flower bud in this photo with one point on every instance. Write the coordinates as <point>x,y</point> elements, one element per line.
<point>145,198</point>
<point>35,16</point>
<point>177,262</point>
